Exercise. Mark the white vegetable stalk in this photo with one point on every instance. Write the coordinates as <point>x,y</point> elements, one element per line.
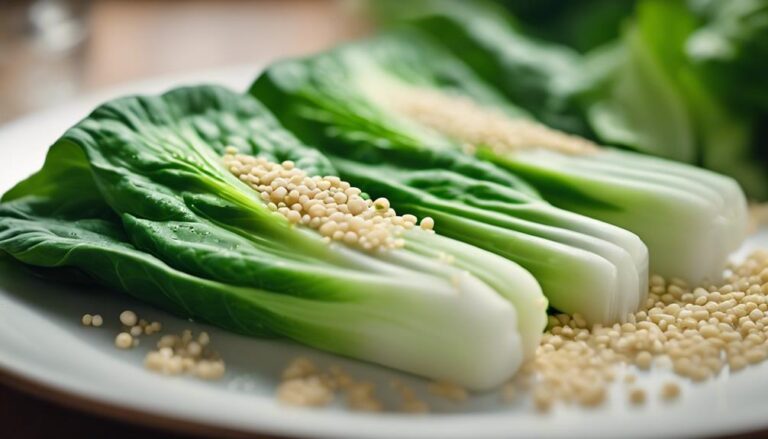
<point>435,307</point>
<point>690,219</point>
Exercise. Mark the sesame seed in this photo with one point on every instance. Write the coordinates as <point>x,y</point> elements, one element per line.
<point>637,396</point>
<point>128,318</point>
<point>643,360</point>
<point>427,223</point>
<point>381,204</point>
<point>124,341</point>
<point>305,384</point>
<point>670,391</point>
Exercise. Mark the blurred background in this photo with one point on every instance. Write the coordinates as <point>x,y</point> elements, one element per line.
<point>53,49</point>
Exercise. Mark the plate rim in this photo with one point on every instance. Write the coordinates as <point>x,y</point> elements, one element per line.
<point>93,406</point>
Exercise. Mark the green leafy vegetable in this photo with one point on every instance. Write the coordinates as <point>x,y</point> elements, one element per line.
<point>401,92</point>
<point>136,197</point>
<point>731,46</point>
<point>658,100</point>
<point>535,75</point>
<point>673,78</point>
<point>333,101</point>
<point>584,25</point>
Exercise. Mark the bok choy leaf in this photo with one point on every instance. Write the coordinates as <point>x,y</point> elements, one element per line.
<point>405,93</point>
<point>340,102</point>
<point>137,197</point>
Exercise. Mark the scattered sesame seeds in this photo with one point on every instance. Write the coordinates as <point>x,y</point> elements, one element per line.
<point>465,120</point>
<point>332,207</point>
<point>361,396</point>
<point>304,384</point>
<point>305,392</point>
<point>700,330</point>
<point>300,367</point>
<point>177,354</point>
<point>448,390</point>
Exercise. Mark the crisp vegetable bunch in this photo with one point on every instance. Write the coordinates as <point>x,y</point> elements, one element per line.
<point>141,196</point>
<point>415,200</point>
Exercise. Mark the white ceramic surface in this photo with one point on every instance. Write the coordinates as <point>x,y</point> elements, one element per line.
<point>41,340</point>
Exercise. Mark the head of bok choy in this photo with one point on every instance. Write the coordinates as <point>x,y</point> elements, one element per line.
<point>137,197</point>
<point>401,97</point>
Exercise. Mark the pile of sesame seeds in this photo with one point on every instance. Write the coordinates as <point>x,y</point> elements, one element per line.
<point>327,204</point>
<point>694,331</point>
<point>460,118</point>
<point>185,353</point>
<point>133,328</point>
<point>174,354</point>
<point>305,384</point>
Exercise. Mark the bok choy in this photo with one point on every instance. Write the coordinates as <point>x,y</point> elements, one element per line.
<point>672,78</point>
<point>402,95</point>
<point>336,102</point>
<point>155,196</point>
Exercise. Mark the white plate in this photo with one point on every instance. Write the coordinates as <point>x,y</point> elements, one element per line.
<point>42,342</point>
